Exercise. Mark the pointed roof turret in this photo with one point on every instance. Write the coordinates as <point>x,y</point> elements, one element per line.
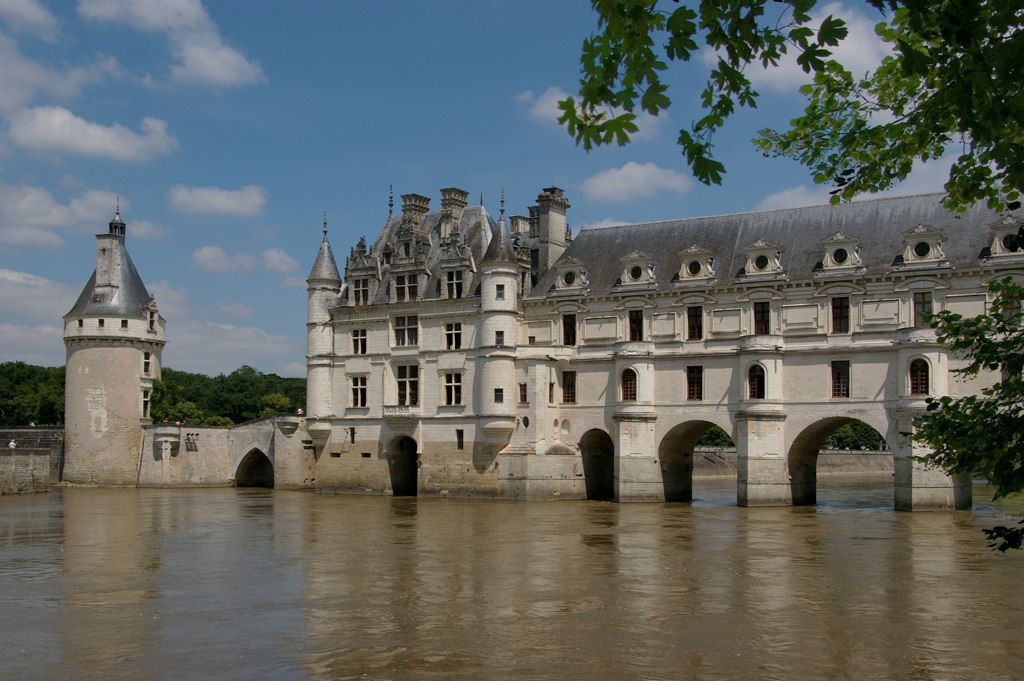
<point>325,267</point>
<point>500,250</point>
<point>116,225</point>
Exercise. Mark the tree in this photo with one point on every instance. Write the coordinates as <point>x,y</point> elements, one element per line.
<point>954,77</point>
<point>984,434</point>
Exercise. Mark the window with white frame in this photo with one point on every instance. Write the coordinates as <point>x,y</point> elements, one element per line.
<point>407,330</point>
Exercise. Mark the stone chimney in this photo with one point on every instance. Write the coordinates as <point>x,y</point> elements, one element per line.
<point>548,218</point>
<point>520,224</point>
<point>414,208</point>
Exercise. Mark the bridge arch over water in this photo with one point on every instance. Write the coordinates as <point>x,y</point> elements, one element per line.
<point>403,466</point>
<point>255,470</point>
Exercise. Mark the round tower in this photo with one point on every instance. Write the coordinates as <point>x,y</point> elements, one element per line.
<point>323,287</point>
<point>499,331</point>
<point>114,336</point>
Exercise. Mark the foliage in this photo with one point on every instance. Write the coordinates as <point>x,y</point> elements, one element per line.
<point>954,76</point>
<point>854,435</point>
<point>31,394</point>
<point>715,437</point>
<point>984,434</point>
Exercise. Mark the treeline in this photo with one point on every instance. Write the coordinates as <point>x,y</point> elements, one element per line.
<point>35,395</point>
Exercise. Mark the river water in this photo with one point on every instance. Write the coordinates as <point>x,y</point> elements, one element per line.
<point>262,584</point>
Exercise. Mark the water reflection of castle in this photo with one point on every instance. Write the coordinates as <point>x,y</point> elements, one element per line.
<point>459,355</point>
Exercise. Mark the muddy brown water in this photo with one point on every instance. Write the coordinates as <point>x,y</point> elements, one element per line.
<point>263,584</point>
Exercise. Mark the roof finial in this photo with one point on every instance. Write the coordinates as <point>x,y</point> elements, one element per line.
<point>481,198</point>
<point>325,225</point>
<point>501,215</point>
<point>391,200</point>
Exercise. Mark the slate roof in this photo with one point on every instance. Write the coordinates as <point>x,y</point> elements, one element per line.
<point>500,249</point>
<point>878,225</point>
<point>325,266</point>
<point>129,299</point>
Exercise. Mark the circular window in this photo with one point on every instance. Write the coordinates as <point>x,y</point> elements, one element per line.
<point>1010,242</point>
<point>526,422</point>
<point>761,262</point>
<point>636,272</point>
<point>840,256</point>
<point>922,249</point>
<point>693,268</point>
<point>569,278</point>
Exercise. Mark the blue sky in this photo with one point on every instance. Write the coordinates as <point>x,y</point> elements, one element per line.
<point>227,128</point>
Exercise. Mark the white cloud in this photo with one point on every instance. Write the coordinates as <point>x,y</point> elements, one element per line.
<point>54,129</point>
<point>203,58</point>
<point>247,201</point>
<point>145,229</point>
<point>633,181</point>
<point>293,282</point>
<point>21,78</point>
<point>236,310</point>
<point>26,296</point>
<point>42,345</point>
<point>215,348</point>
<point>28,215</point>
<point>607,222</point>
<point>543,108</point>
<point>276,260</point>
<point>215,259</point>
<point>862,51</point>
<point>925,178</point>
<point>30,16</point>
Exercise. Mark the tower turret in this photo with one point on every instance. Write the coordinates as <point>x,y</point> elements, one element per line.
<point>499,330</point>
<point>323,288</point>
<point>114,336</point>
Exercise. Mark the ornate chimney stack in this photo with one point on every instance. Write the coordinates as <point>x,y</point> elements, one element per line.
<point>453,204</point>
<point>414,208</point>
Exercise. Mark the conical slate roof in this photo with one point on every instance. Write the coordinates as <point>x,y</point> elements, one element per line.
<point>500,250</point>
<point>324,267</point>
<point>127,297</point>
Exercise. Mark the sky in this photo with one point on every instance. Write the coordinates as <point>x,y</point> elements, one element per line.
<point>225,130</point>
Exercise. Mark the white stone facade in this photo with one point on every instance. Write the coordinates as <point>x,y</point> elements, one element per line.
<point>459,356</point>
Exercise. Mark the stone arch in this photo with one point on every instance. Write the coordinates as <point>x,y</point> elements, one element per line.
<point>255,470</point>
<point>598,452</point>
<point>802,458</point>
<point>675,455</point>
<point>403,466</point>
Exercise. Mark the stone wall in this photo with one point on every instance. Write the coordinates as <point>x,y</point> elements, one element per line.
<point>49,439</point>
<point>24,470</point>
<point>711,462</point>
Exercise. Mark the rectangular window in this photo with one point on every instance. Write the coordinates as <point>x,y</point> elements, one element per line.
<point>124,323</point>
<point>405,287</point>
<point>499,292</point>
<point>408,384</point>
<point>523,395</point>
<point>152,320</point>
<point>101,323</point>
<point>361,291</point>
<point>569,387</point>
<point>762,317</point>
<point>359,391</point>
<point>455,284</point>
<point>841,378</point>
<point>146,362</point>
<point>568,329</point>
<point>499,395</point>
<point>636,325</point>
<point>453,389</point>
<point>81,323</point>
<point>460,439</point>
<point>840,315</point>
<point>695,383</point>
<point>453,335</point>
<point>922,308</point>
<point>406,331</point>
<point>358,341</point>
<point>145,404</point>
<point>499,338</point>
<point>351,435</point>
<point>551,393</point>
<point>694,322</point>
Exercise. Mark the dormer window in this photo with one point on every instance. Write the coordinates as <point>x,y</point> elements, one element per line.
<point>841,253</point>
<point>696,266</point>
<point>637,271</point>
<point>1005,244</point>
<point>764,261</point>
<point>922,247</point>
<point>570,277</point>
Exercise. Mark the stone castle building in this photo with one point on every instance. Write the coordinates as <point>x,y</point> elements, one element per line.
<point>461,356</point>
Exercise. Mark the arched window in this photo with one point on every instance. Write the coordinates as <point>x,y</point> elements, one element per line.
<point>629,386</point>
<point>919,377</point>
<point>756,382</point>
